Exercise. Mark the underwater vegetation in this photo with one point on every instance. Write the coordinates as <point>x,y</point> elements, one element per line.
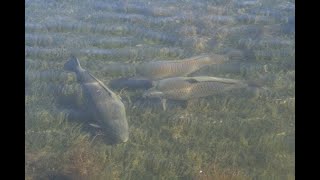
<point>230,135</point>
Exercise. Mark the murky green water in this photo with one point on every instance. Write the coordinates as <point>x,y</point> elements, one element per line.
<point>233,135</point>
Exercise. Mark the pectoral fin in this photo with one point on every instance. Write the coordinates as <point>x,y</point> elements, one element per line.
<point>94,125</point>
<point>164,104</point>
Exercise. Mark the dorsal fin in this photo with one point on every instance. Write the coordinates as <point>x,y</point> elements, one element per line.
<point>211,79</point>
<point>104,86</point>
<point>179,60</point>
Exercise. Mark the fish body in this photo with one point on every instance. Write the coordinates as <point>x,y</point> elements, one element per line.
<point>105,106</point>
<point>185,88</point>
<point>156,70</point>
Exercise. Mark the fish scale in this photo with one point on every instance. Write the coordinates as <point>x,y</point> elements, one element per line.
<point>203,89</point>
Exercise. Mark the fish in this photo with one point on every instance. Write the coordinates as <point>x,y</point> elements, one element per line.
<point>106,107</point>
<point>156,70</point>
<point>186,88</point>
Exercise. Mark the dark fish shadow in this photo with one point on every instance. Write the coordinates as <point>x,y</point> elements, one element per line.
<point>131,83</point>
<point>141,103</point>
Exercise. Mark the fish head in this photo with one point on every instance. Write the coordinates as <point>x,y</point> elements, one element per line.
<point>116,135</point>
<point>120,134</point>
<point>113,122</point>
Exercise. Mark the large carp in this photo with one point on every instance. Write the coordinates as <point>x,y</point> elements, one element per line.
<point>156,70</point>
<point>185,88</point>
<point>104,105</point>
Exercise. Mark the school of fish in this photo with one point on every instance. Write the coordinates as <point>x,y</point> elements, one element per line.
<point>159,79</point>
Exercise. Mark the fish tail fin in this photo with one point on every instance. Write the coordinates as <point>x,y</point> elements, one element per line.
<point>242,55</point>
<point>72,64</point>
<point>260,81</point>
<point>258,86</point>
<point>235,55</point>
<point>254,84</point>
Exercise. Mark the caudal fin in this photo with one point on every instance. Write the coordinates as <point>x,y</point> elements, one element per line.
<point>258,86</point>
<point>262,80</point>
<point>72,64</point>
<point>255,84</point>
